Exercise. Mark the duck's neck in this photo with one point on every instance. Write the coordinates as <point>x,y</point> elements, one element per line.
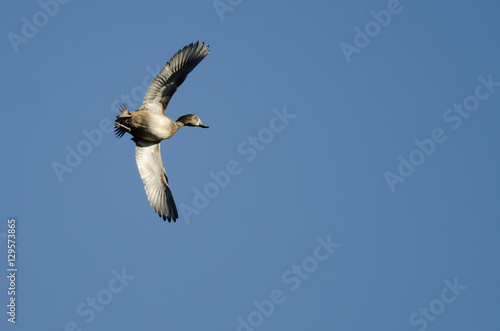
<point>178,125</point>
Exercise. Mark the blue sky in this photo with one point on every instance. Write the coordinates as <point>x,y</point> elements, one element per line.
<point>348,181</point>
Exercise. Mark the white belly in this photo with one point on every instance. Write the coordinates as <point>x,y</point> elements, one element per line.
<point>152,126</point>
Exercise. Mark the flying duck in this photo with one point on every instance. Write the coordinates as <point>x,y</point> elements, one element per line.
<point>149,126</point>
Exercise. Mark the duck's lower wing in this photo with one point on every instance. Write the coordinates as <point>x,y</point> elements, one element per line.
<point>148,158</point>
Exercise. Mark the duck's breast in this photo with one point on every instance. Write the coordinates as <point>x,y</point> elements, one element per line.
<point>151,126</point>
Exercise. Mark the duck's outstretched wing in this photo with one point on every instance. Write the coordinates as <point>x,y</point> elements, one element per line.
<point>172,76</point>
<point>148,158</point>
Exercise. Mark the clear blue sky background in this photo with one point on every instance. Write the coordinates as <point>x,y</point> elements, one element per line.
<point>422,255</point>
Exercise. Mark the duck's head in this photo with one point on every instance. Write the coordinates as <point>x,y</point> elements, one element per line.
<point>191,120</point>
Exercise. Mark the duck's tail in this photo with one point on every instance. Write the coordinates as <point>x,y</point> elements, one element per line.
<point>121,129</point>
<point>124,113</point>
